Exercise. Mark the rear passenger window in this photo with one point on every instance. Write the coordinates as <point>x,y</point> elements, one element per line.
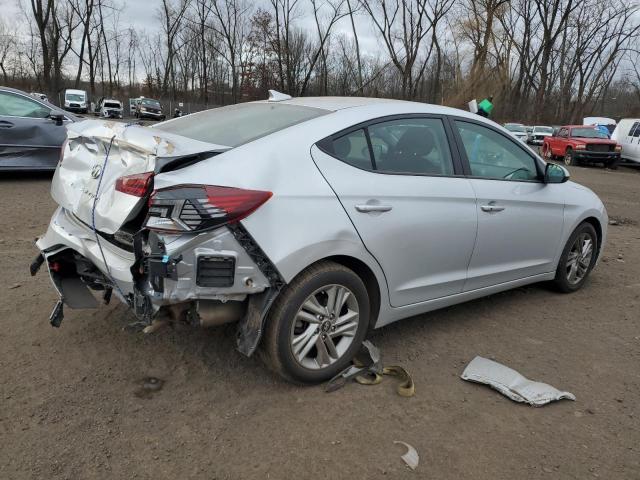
<point>411,145</point>
<point>353,149</point>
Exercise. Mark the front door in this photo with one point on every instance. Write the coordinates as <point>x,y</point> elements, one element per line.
<point>520,218</point>
<point>397,182</point>
<point>28,138</point>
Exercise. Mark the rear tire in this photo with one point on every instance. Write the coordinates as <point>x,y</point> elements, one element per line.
<point>547,153</point>
<point>303,339</point>
<point>577,259</point>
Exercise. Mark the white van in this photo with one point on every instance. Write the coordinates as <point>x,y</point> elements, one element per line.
<point>76,101</point>
<point>627,134</point>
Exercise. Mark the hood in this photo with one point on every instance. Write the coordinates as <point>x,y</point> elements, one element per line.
<point>134,150</point>
<point>598,141</point>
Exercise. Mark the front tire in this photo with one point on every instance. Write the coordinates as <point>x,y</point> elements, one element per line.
<point>316,324</point>
<point>577,259</point>
<point>569,160</point>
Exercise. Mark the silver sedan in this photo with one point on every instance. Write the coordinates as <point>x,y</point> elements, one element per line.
<point>309,221</point>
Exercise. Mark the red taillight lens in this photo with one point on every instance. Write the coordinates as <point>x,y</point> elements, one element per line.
<point>238,203</point>
<point>201,207</point>
<point>137,185</point>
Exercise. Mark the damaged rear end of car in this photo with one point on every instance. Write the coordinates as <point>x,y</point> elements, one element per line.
<point>177,253</point>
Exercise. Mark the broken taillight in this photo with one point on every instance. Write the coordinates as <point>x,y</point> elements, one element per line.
<point>187,208</point>
<point>137,185</point>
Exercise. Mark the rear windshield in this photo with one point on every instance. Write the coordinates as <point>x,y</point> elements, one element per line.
<point>241,123</point>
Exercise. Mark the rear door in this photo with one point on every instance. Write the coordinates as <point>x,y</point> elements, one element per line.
<point>520,218</point>
<point>399,180</point>
<point>29,139</point>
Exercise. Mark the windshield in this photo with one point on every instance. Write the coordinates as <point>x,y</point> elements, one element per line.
<point>150,103</point>
<point>515,128</point>
<point>588,133</point>
<point>112,104</point>
<point>543,129</point>
<point>74,97</point>
<point>241,123</point>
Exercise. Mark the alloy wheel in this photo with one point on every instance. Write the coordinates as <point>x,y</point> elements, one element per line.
<point>324,327</point>
<point>579,258</point>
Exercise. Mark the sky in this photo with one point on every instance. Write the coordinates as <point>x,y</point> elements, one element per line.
<point>143,14</point>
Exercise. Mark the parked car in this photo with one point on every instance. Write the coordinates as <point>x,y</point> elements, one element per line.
<point>39,96</point>
<point>132,106</point>
<point>31,131</point>
<point>109,108</point>
<point>149,108</point>
<point>627,135</point>
<point>309,221</point>
<point>607,125</point>
<point>578,144</point>
<point>538,134</point>
<point>76,101</point>
<point>517,130</point>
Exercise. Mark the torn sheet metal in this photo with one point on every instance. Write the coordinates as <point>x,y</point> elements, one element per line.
<point>511,383</point>
<point>133,149</point>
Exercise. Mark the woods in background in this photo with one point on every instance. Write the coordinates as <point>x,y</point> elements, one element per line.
<point>542,60</point>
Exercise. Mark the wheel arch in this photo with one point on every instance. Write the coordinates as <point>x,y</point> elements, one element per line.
<point>369,279</point>
<point>595,223</point>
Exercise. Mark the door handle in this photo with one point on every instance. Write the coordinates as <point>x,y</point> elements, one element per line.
<point>5,124</point>
<point>491,208</point>
<point>367,208</point>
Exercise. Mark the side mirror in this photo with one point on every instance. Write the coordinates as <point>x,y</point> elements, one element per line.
<point>555,174</point>
<point>58,118</point>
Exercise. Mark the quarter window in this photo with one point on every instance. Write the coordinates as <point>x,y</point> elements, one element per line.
<point>16,106</point>
<point>494,156</point>
<point>353,149</point>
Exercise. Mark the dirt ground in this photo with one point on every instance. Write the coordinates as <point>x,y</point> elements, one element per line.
<point>69,408</point>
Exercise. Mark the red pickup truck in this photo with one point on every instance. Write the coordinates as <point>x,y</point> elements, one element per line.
<point>581,143</point>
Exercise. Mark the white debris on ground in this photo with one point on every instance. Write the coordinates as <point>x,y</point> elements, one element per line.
<point>511,383</point>
<point>411,458</point>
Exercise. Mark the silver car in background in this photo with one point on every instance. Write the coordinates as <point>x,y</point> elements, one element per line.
<point>309,221</point>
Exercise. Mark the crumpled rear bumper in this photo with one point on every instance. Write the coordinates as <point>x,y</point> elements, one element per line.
<point>65,231</point>
<point>187,254</point>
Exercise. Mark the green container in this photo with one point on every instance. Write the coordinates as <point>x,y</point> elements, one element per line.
<point>486,105</point>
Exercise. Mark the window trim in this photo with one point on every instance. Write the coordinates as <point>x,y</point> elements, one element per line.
<point>463,153</point>
<point>326,144</point>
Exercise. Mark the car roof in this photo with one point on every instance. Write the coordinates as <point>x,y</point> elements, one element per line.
<point>376,106</point>
<point>335,103</point>
<point>579,126</point>
<point>72,90</point>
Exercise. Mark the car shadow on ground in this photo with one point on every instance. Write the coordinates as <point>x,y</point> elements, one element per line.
<point>183,348</point>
